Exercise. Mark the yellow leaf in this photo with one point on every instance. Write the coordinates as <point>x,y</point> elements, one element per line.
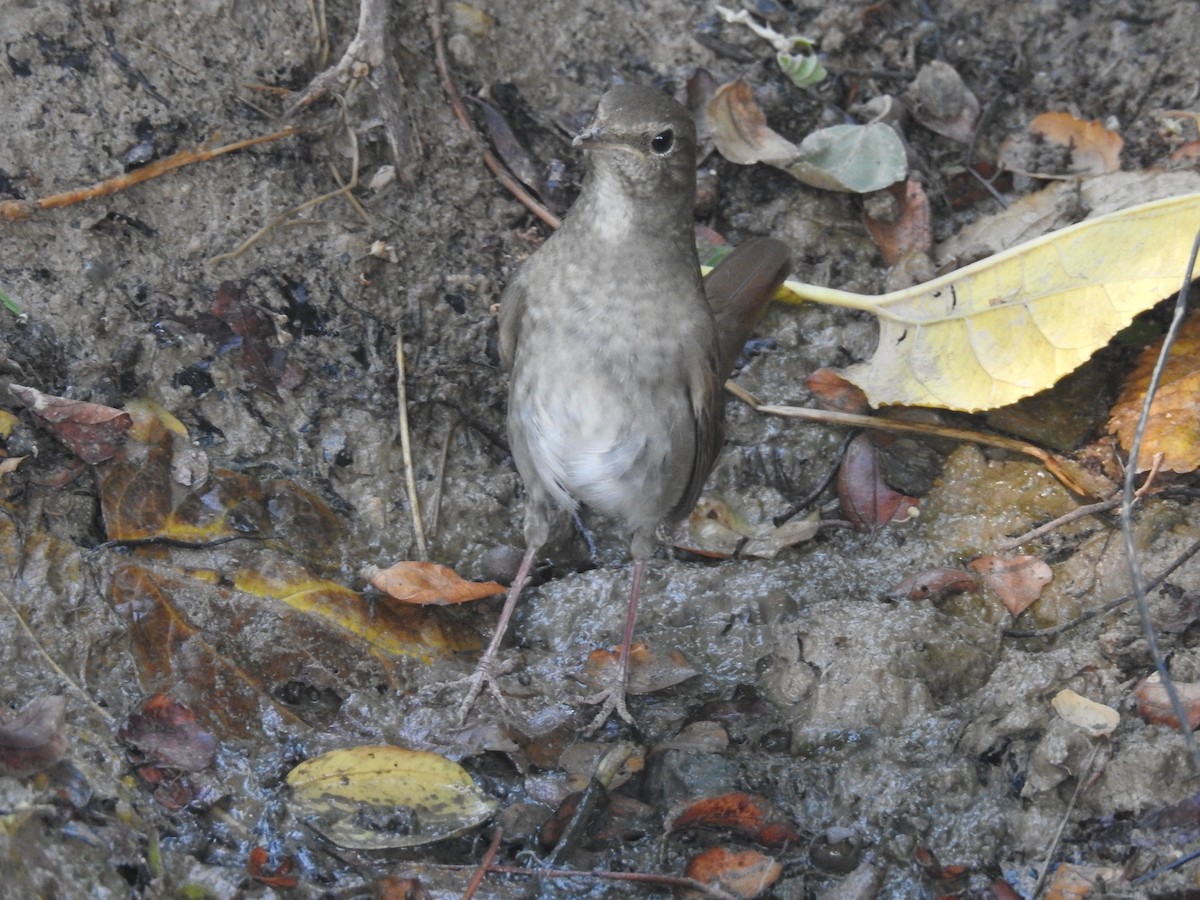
<point>392,632</point>
<point>1015,323</point>
<point>376,797</point>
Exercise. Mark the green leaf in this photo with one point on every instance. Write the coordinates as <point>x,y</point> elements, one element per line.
<point>855,158</point>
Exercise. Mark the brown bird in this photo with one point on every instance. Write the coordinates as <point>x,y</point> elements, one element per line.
<point>618,350</point>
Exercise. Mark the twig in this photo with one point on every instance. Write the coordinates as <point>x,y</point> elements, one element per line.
<point>307,204</point>
<point>1112,604</point>
<point>1131,553</point>
<point>484,864</point>
<point>707,890</point>
<point>1081,511</point>
<point>439,480</point>
<point>829,417</point>
<point>55,667</point>
<point>12,210</point>
<point>434,11</point>
<point>804,502</point>
<point>410,480</point>
<point>1082,783</point>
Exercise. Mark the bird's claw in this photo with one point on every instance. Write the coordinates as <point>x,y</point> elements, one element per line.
<point>484,676</point>
<point>611,700</point>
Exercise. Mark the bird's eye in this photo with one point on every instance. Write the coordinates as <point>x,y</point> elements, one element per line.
<point>663,141</point>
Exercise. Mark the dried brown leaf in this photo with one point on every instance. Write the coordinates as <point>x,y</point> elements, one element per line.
<point>1154,706</point>
<point>650,670</point>
<point>34,738</point>
<point>1017,580</point>
<point>1173,427</point>
<point>865,498</point>
<point>910,230</point>
<point>1094,149</point>
<point>91,431</point>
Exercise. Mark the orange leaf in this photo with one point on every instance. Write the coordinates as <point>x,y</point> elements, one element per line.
<point>745,873</point>
<point>749,815</point>
<point>1094,149</point>
<point>424,583</point>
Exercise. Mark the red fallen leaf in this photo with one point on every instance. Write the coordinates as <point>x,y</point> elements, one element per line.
<point>1154,705</point>
<point>744,873</point>
<point>255,356</point>
<point>910,230</point>
<point>749,815</point>
<point>865,498</point>
<point>279,877</point>
<point>649,670</point>
<point>1018,581</point>
<point>929,864</point>
<point>1002,890</point>
<point>834,392</point>
<point>423,583</point>
<point>933,584</point>
<point>165,734</point>
<point>35,738</point>
<point>92,432</point>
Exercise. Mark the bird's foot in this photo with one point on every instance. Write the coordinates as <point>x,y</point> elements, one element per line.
<point>611,700</point>
<point>483,678</point>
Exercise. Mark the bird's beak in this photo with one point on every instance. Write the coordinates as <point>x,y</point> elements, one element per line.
<point>594,137</point>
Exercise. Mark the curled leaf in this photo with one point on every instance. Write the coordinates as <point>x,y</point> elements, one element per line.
<point>92,432</point>
<point>423,583</point>
<point>749,815</point>
<point>855,158</point>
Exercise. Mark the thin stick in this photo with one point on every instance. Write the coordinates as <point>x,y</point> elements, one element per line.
<point>1062,825</point>
<point>1081,511</point>
<point>1131,552</point>
<point>828,417</point>
<point>307,204</point>
<point>414,502</point>
<point>55,667</point>
<point>12,210</point>
<point>434,11</point>
<point>1112,604</point>
<point>484,865</point>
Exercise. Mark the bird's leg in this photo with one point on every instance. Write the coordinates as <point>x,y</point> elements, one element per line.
<point>486,671</point>
<point>612,697</point>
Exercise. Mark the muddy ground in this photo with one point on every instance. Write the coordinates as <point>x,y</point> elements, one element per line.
<point>906,724</point>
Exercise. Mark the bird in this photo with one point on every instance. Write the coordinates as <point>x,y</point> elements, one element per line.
<point>618,350</point>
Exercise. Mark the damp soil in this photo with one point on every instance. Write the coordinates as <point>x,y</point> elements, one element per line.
<point>894,726</point>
